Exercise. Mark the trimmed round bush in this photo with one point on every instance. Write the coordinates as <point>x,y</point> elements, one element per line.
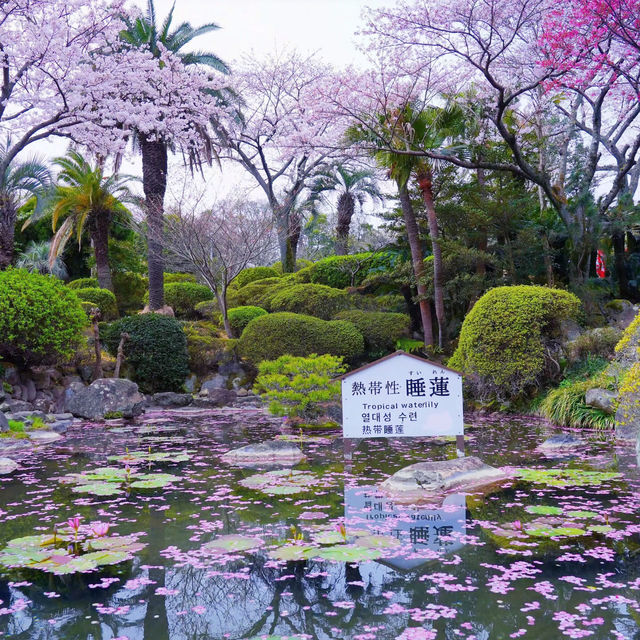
<point>270,336</point>
<point>208,310</point>
<point>101,298</point>
<point>183,297</point>
<point>41,320</point>
<point>156,350</point>
<point>301,263</point>
<point>251,274</point>
<point>204,345</point>
<point>381,330</point>
<point>311,299</point>
<point>258,293</point>
<point>346,271</point>
<point>129,289</point>
<point>239,318</point>
<point>505,340</point>
<point>179,277</point>
<point>83,283</point>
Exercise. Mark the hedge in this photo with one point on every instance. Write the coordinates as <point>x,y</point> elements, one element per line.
<point>239,318</point>
<point>251,274</point>
<point>41,320</point>
<point>311,299</point>
<point>101,298</point>
<point>270,336</point>
<point>504,339</point>
<point>156,350</point>
<point>381,330</point>
<point>83,283</point>
<point>204,346</point>
<point>345,271</point>
<point>183,297</point>
<point>179,277</point>
<point>258,293</point>
<point>129,289</point>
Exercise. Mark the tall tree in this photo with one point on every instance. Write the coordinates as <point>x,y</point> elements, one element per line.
<point>87,200</point>
<point>143,32</point>
<point>353,186</point>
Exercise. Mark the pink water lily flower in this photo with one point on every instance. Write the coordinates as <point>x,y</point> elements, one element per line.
<point>99,529</point>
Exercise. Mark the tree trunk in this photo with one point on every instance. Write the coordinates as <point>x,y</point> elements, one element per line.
<point>154,184</point>
<point>346,208</point>
<point>100,225</point>
<point>425,183</point>
<point>8,215</point>
<point>284,230</point>
<point>222,303</point>
<point>620,266</point>
<point>417,260</point>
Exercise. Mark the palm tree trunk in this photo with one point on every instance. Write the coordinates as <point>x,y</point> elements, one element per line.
<point>154,184</point>
<point>100,238</point>
<point>346,207</point>
<point>425,182</point>
<point>8,215</point>
<point>417,260</point>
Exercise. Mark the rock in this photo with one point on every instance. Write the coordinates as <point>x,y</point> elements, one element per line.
<point>212,383</point>
<point>86,372</point>
<point>4,422</point>
<point>232,368</point>
<point>62,416</point>
<point>15,406</point>
<point>11,374</point>
<point>27,416</point>
<point>426,478</point>
<point>270,452</point>
<point>165,311</point>
<point>560,441</point>
<point>67,381</point>
<point>216,398</point>
<point>620,313</point>
<point>60,426</point>
<point>627,432</point>
<point>31,391</point>
<point>42,379</point>
<point>73,388</point>
<point>570,330</point>
<point>190,383</point>
<point>7,465</point>
<point>43,437</point>
<point>601,399</point>
<point>3,393</point>
<point>107,395</point>
<point>628,416</point>
<point>638,448</point>
<point>170,399</point>
<point>242,393</point>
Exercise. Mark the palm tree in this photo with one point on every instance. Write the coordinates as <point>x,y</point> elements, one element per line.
<point>87,200</point>
<point>143,32</point>
<point>19,182</point>
<point>353,186</point>
<point>35,258</point>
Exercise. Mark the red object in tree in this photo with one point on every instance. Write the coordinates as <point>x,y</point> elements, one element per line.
<point>600,264</point>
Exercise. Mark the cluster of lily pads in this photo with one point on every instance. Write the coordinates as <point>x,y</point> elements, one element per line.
<point>281,482</point>
<point>566,477</point>
<point>78,549</point>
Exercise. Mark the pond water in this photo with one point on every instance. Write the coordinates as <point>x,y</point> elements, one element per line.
<point>548,558</point>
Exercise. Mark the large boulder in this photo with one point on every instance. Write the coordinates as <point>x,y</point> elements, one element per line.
<point>602,399</point>
<point>620,313</point>
<point>216,398</point>
<point>107,396</point>
<point>428,478</point>
<point>212,384</point>
<point>270,452</point>
<point>561,442</point>
<point>7,465</point>
<point>171,399</point>
<point>4,423</point>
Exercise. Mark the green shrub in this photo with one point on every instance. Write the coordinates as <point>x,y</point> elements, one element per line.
<point>183,297</point>
<point>129,289</point>
<point>17,426</point>
<point>381,330</point>
<point>209,310</point>
<point>347,271</point>
<point>312,300</point>
<point>84,283</point>
<point>296,386</point>
<point>204,345</point>
<point>156,350</point>
<point>599,342</point>
<point>239,318</point>
<point>301,263</point>
<point>251,274</point>
<point>505,340</point>
<point>271,336</point>
<point>258,293</point>
<point>41,320</point>
<point>179,277</point>
<point>101,298</point>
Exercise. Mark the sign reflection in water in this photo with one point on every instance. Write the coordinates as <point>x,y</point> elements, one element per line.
<point>420,528</point>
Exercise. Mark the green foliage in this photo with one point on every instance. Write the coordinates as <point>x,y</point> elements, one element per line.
<point>113,415</point>
<point>204,345</point>
<point>251,274</point>
<point>41,320</point>
<point>16,426</point>
<point>410,345</point>
<point>129,288</point>
<point>600,342</point>
<point>183,297</point>
<point>271,336</point>
<point>629,337</point>
<point>381,330</point>
<point>239,318</point>
<point>347,271</point>
<point>311,299</point>
<point>258,293</point>
<point>156,350</point>
<point>178,277</point>
<point>586,368</point>
<point>209,310</point>
<point>296,386</point>
<point>503,347</point>
<point>101,298</point>
<point>301,263</point>
<point>84,283</point>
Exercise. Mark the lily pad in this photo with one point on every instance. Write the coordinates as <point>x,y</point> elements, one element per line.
<point>328,537</point>
<point>549,532</point>
<point>138,457</point>
<point>600,528</point>
<point>292,552</point>
<point>233,543</point>
<point>280,482</point>
<point>154,481</point>
<point>347,553</point>
<point>543,510</point>
<point>98,488</point>
<point>379,542</point>
<point>566,477</point>
<point>582,514</point>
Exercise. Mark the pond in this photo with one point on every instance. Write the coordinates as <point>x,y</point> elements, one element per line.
<point>228,552</point>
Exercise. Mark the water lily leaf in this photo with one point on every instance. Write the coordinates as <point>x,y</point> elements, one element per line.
<point>379,542</point>
<point>600,528</point>
<point>282,491</point>
<point>280,481</point>
<point>137,457</point>
<point>347,553</point>
<point>549,532</point>
<point>129,544</point>
<point>543,510</point>
<point>106,474</point>
<point>233,543</point>
<point>15,557</point>
<point>33,542</point>
<point>582,514</point>
<point>328,537</point>
<point>106,557</point>
<point>566,477</point>
<point>292,552</point>
<point>98,488</point>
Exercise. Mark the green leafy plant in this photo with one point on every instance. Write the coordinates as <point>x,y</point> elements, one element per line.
<point>84,283</point>
<point>183,297</point>
<point>251,274</point>
<point>296,387</point>
<point>239,318</point>
<point>113,415</point>
<point>16,426</point>
<point>566,477</point>
<point>179,277</point>
<point>311,299</point>
<point>381,330</point>
<point>129,288</point>
<point>41,320</point>
<point>101,298</point>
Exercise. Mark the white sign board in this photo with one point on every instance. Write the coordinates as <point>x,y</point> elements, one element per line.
<point>420,528</point>
<point>401,396</point>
